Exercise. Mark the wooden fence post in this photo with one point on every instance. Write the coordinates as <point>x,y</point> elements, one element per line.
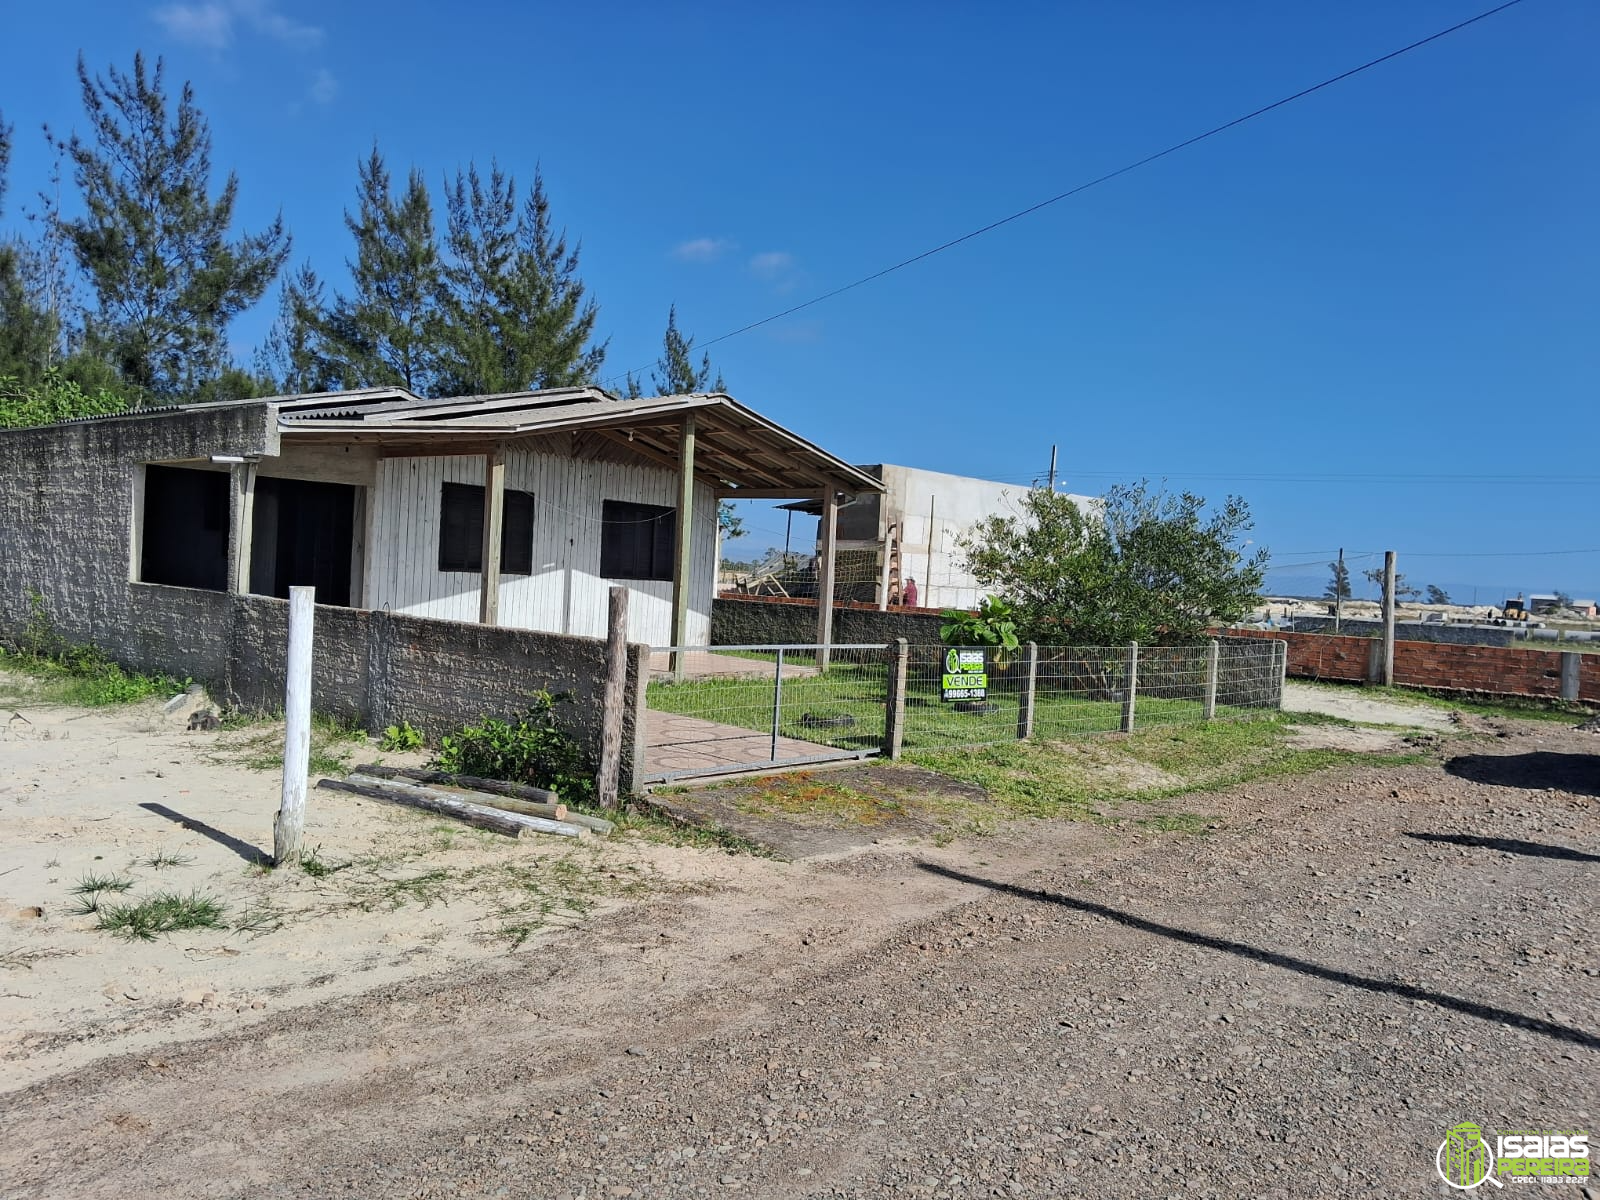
<point>894,714</point>
<point>1132,687</point>
<point>612,714</point>
<point>290,823</point>
<point>1030,658</point>
<point>1283,671</point>
<point>1213,659</point>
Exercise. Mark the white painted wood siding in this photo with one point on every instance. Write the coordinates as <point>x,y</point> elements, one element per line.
<point>566,592</point>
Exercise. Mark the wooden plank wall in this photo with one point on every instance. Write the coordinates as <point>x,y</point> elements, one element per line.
<point>565,593</point>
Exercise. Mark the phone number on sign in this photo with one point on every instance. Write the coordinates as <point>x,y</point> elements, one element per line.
<point>964,694</point>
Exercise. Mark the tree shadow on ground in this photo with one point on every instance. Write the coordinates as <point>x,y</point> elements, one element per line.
<point>1508,846</point>
<point>243,849</point>
<point>1271,958</point>
<point>1536,771</point>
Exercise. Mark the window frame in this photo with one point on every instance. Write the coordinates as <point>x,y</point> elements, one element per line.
<point>471,561</point>
<point>616,515</point>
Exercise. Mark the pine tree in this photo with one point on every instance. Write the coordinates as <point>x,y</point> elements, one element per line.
<point>1437,595</point>
<point>30,329</point>
<point>292,358</point>
<point>512,309</point>
<point>384,332</point>
<point>152,242</point>
<point>675,373</point>
<point>1339,583</point>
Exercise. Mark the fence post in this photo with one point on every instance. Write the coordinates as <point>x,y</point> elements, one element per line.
<point>1283,671</point>
<point>1571,677</point>
<point>1213,658</point>
<point>894,713</point>
<point>291,819</point>
<point>1132,685</point>
<point>1030,657</point>
<point>612,711</point>
<point>777,701</point>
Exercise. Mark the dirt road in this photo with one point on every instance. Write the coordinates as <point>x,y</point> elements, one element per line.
<point>1298,1002</point>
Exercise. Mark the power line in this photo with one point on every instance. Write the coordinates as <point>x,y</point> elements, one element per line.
<point>1096,182</point>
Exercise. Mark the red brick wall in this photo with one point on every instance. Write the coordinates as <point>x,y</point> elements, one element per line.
<point>1495,670</point>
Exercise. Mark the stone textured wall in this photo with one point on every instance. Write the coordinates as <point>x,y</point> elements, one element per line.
<point>66,507</point>
<point>736,621</point>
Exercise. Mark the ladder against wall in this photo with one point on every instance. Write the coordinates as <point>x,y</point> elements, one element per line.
<point>892,578</point>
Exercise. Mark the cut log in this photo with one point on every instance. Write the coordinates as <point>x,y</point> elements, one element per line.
<point>509,823</point>
<point>528,808</point>
<point>518,797</point>
<point>499,787</point>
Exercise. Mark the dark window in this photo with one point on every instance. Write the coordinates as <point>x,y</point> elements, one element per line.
<point>185,528</point>
<point>636,540</point>
<point>461,530</point>
<point>302,535</point>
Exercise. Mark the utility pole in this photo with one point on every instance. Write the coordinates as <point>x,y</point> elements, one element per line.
<point>1052,469</point>
<point>1388,618</point>
<point>1339,578</point>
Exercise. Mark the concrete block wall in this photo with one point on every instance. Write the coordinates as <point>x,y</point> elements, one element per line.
<point>740,621</point>
<point>66,506</point>
<point>1485,670</point>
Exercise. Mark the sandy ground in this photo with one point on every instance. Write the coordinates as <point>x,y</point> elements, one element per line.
<point>1295,1003</point>
<point>106,792</point>
<point>1348,704</point>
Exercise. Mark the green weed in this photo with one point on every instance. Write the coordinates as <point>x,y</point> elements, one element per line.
<point>401,737</point>
<point>164,912</point>
<point>163,858</point>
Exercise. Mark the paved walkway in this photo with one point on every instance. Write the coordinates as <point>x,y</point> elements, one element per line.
<point>675,743</point>
<point>1299,697</point>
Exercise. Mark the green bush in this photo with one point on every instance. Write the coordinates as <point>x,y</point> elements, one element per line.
<point>78,674</point>
<point>402,737</point>
<point>532,748</point>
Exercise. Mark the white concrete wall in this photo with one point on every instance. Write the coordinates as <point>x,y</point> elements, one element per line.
<point>565,593</point>
<point>958,502</point>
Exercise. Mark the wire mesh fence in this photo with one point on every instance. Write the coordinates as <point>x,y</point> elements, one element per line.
<point>727,708</point>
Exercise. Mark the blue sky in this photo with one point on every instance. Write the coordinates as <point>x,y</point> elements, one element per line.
<point>1395,277</point>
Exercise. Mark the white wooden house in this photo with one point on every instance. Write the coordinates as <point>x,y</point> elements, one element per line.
<point>384,500</point>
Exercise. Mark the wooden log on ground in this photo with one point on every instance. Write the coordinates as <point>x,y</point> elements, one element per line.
<point>509,823</point>
<point>528,808</point>
<point>522,798</point>
<point>498,787</point>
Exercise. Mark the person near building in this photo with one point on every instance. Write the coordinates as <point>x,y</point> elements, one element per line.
<point>909,599</point>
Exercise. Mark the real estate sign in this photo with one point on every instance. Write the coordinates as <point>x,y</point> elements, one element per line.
<point>965,676</point>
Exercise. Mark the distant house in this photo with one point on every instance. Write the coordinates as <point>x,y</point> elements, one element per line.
<point>1540,604</point>
<point>381,500</point>
<point>912,529</point>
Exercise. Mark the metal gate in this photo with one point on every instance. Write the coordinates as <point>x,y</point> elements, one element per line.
<point>715,710</point>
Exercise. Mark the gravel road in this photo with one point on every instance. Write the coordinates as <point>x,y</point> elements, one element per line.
<point>1296,1003</point>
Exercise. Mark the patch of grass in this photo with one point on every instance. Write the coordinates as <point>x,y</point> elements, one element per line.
<point>85,678</point>
<point>258,921</point>
<point>162,859</point>
<point>1039,779</point>
<point>164,912</point>
<point>90,885</point>
<point>313,865</point>
<point>333,740</point>
<point>802,794</point>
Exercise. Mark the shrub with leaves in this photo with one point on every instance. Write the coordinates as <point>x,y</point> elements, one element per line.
<point>993,624</point>
<point>531,748</point>
<point>402,737</point>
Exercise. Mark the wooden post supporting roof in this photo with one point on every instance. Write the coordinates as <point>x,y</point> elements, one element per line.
<point>494,509</point>
<point>825,563</point>
<point>682,556</point>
